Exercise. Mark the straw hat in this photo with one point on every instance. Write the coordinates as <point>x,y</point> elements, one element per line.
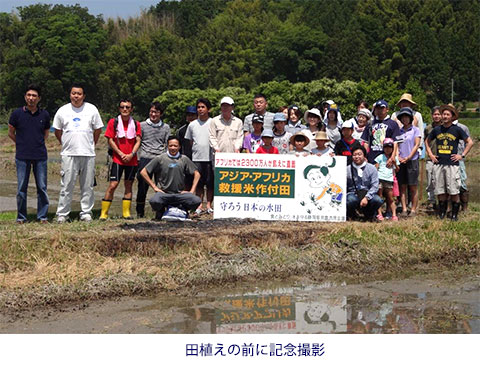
<point>451,108</point>
<point>321,135</point>
<point>406,97</point>
<point>292,139</point>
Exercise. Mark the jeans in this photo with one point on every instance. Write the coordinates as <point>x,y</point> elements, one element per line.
<point>186,201</point>
<point>23,174</point>
<point>353,203</point>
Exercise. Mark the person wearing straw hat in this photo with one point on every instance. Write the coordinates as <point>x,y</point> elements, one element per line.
<point>406,101</point>
<point>299,141</point>
<point>322,148</point>
<point>446,161</point>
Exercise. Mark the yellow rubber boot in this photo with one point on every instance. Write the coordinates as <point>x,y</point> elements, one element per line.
<point>105,207</point>
<point>126,203</point>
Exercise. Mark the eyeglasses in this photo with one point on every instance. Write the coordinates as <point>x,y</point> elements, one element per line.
<point>125,107</point>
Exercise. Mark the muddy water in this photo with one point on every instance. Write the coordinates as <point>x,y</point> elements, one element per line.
<point>416,305</point>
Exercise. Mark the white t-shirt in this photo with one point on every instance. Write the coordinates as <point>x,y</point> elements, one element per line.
<point>78,125</point>
<point>198,131</point>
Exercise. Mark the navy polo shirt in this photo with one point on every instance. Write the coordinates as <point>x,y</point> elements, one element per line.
<point>30,133</point>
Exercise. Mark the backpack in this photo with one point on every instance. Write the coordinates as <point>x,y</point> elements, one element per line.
<point>115,125</point>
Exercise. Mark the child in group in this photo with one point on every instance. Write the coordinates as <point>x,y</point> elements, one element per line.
<point>385,177</point>
<point>322,148</point>
<point>299,141</point>
<point>342,147</point>
<point>281,140</point>
<point>267,147</point>
<point>253,140</point>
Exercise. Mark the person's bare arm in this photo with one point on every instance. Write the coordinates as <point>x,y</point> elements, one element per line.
<point>96,135</point>
<point>149,181</point>
<point>12,133</point>
<point>58,135</point>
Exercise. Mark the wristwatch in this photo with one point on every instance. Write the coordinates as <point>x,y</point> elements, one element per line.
<point>463,156</point>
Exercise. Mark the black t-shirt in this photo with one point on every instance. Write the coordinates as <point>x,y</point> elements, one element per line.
<point>186,145</point>
<point>447,139</point>
<point>343,147</point>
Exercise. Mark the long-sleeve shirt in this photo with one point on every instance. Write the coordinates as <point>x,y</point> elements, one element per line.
<point>368,181</point>
<point>226,136</point>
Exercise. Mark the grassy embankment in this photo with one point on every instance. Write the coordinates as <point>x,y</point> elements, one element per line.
<point>53,264</point>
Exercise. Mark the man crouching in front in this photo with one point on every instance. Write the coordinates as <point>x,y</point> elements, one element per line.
<point>171,202</point>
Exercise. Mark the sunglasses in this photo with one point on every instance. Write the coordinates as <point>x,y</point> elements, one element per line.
<point>125,107</point>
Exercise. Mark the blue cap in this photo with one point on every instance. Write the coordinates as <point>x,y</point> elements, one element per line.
<point>191,109</point>
<point>267,133</point>
<point>381,103</point>
<point>278,117</point>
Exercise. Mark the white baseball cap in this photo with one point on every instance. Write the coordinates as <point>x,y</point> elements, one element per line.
<point>227,100</point>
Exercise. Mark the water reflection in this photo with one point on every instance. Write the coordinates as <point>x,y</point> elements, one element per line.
<point>306,310</point>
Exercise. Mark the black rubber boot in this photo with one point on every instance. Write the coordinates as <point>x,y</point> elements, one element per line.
<point>464,195</point>
<point>442,209</point>
<point>455,209</point>
<point>140,209</point>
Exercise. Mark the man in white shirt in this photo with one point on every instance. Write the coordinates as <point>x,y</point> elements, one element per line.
<point>198,134</point>
<point>260,105</point>
<point>226,130</point>
<point>77,127</point>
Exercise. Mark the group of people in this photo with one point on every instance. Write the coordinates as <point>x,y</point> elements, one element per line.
<point>382,153</point>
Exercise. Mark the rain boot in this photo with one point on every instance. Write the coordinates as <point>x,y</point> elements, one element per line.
<point>105,207</point>
<point>140,208</point>
<point>442,208</point>
<point>126,203</point>
<point>464,195</point>
<point>455,208</point>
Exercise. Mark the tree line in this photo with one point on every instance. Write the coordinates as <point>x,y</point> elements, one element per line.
<point>294,51</point>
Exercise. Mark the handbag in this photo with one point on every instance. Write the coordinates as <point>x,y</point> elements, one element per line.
<point>396,189</point>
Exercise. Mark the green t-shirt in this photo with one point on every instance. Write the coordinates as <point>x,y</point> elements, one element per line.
<point>170,172</point>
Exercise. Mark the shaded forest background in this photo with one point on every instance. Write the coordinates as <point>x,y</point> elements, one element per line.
<point>294,51</point>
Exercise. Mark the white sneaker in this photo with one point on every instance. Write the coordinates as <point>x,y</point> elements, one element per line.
<point>61,219</point>
<point>86,218</point>
<point>174,214</point>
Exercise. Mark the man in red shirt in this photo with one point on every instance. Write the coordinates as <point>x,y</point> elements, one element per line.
<point>124,136</point>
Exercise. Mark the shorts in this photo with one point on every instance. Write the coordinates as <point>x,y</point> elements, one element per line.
<point>408,174</point>
<point>383,184</point>
<point>206,174</point>
<point>446,179</point>
<point>117,170</point>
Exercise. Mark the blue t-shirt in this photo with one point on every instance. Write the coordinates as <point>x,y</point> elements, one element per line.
<point>30,133</point>
<point>385,173</point>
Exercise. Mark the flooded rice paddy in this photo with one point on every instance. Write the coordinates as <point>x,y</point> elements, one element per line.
<point>416,305</point>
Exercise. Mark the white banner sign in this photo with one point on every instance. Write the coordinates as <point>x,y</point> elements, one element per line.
<point>280,187</point>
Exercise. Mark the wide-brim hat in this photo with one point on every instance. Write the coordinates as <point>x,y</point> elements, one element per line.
<point>451,108</point>
<point>407,97</point>
<point>292,139</point>
<point>405,111</point>
<point>313,111</point>
<point>321,135</point>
